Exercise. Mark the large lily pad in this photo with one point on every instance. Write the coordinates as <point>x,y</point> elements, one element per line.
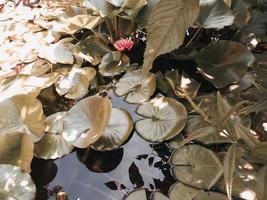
<point>211,196</point>
<point>16,149</point>
<point>135,87</point>
<point>196,166</point>
<point>180,191</point>
<point>22,113</point>
<point>53,145</point>
<point>224,62</point>
<point>86,121</point>
<point>117,132</point>
<point>15,184</point>
<point>164,118</point>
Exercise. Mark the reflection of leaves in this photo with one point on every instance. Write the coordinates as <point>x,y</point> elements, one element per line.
<point>142,156</point>
<point>115,185</point>
<point>150,161</point>
<point>135,176</point>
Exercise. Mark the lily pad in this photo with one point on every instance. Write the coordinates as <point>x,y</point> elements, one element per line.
<point>180,191</point>
<point>15,184</point>
<point>22,113</point>
<point>75,84</point>
<point>139,194</point>
<point>196,166</point>
<point>136,88</point>
<point>224,62</point>
<point>16,149</point>
<point>86,121</point>
<point>158,196</point>
<point>164,118</point>
<point>53,145</point>
<point>117,132</point>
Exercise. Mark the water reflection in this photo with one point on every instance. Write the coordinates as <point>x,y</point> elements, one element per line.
<point>110,175</point>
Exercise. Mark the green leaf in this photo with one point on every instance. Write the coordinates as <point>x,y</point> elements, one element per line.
<point>166,27</point>
<point>214,14</point>
<point>246,135</point>
<point>224,62</point>
<point>261,185</point>
<point>228,169</point>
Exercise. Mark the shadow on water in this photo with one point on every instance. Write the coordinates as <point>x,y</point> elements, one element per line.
<point>88,174</point>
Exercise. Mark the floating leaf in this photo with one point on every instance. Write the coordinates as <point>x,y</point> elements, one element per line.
<point>113,63</point>
<point>16,149</point>
<point>179,191</point>
<point>214,14</point>
<point>139,194</point>
<point>164,118</point>
<point>117,132</point>
<point>135,176</point>
<point>86,121</point>
<point>15,184</point>
<point>22,113</point>
<point>114,185</point>
<point>136,88</point>
<point>196,166</point>
<point>224,62</point>
<point>75,84</point>
<point>166,27</point>
<point>260,150</point>
<point>228,169</point>
<point>53,145</point>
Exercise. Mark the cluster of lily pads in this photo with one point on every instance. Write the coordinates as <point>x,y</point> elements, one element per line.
<point>62,49</point>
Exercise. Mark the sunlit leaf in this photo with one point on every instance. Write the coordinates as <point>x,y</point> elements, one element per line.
<point>167,23</point>
<point>214,14</point>
<point>196,166</point>
<point>228,169</point>
<point>24,114</point>
<point>163,119</point>
<point>135,88</point>
<point>16,149</point>
<point>53,145</point>
<point>224,62</point>
<point>86,121</point>
<point>15,184</point>
<point>117,131</point>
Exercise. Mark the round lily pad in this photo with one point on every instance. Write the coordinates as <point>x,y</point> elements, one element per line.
<point>135,88</point>
<point>86,121</point>
<point>15,184</point>
<point>139,194</point>
<point>196,166</point>
<point>22,113</point>
<point>117,132</point>
<point>158,196</point>
<point>180,191</point>
<point>53,145</point>
<point>164,118</point>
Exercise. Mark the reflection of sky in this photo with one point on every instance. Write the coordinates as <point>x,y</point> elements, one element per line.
<point>81,182</point>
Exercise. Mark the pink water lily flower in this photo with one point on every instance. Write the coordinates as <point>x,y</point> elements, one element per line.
<point>123,44</point>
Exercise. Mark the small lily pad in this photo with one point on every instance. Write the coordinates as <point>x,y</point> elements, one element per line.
<point>15,184</point>
<point>139,194</point>
<point>136,88</point>
<point>196,166</point>
<point>117,132</point>
<point>180,191</point>
<point>53,145</point>
<point>86,121</point>
<point>164,118</point>
<point>158,196</point>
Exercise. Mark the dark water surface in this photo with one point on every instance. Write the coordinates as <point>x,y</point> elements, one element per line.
<point>91,175</point>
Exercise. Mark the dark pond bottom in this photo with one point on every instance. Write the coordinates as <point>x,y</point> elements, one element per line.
<point>91,175</point>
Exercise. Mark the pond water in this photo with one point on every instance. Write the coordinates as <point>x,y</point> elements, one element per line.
<point>87,174</point>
